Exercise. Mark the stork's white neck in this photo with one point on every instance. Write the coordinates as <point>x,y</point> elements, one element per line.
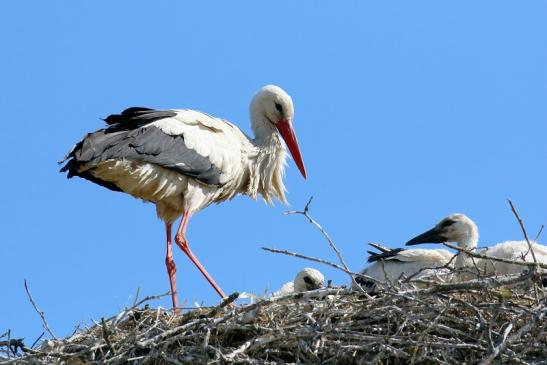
<point>266,135</point>
<point>468,241</point>
<point>266,163</point>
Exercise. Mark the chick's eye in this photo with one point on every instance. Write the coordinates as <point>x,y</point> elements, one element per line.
<point>447,223</point>
<point>279,107</point>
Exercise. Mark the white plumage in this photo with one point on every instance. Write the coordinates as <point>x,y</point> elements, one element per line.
<point>306,279</point>
<point>397,264</point>
<point>464,232</point>
<point>513,250</point>
<point>184,160</point>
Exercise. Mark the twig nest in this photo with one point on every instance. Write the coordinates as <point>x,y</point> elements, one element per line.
<point>448,323</point>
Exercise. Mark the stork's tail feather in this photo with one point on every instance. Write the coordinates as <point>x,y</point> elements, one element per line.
<point>388,255</point>
<point>379,247</point>
<point>73,167</point>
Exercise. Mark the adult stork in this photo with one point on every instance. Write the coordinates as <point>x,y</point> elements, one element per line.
<point>184,160</point>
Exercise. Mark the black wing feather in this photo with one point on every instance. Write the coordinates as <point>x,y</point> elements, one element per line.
<point>135,117</point>
<point>130,137</point>
<point>384,255</point>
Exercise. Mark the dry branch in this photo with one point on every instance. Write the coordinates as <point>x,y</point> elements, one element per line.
<point>524,232</point>
<point>40,313</point>
<point>331,243</point>
<point>321,261</point>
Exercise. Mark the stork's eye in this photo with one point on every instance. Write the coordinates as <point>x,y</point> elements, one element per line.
<point>447,223</point>
<point>279,107</point>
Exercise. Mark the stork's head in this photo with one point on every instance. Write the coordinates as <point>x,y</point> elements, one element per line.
<point>456,227</point>
<point>308,279</point>
<point>272,111</point>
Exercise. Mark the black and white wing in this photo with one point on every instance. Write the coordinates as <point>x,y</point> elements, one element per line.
<point>189,142</point>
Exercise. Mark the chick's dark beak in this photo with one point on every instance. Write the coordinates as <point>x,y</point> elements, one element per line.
<point>434,235</point>
<point>311,284</point>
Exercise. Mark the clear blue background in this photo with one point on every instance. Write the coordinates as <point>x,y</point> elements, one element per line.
<point>405,111</point>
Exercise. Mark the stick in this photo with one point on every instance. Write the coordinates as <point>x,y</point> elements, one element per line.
<point>145,299</point>
<point>38,339</point>
<point>321,261</point>
<point>489,282</point>
<point>106,336</point>
<point>539,233</point>
<point>136,296</point>
<point>494,352</point>
<point>486,257</point>
<point>324,233</point>
<point>40,313</point>
<point>13,344</point>
<point>521,223</point>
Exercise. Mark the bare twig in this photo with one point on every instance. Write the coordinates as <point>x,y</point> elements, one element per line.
<point>521,223</point>
<point>486,283</point>
<point>40,313</point>
<point>136,296</point>
<point>142,301</point>
<point>306,214</point>
<point>321,261</point>
<point>38,339</point>
<point>106,336</point>
<point>539,233</point>
<point>13,344</point>
<point>500,347</point>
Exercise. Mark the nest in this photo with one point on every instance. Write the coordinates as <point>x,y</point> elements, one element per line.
<point>480,321</point>
<point>486,320</point>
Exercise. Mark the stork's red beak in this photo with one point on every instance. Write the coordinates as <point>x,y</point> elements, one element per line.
<point>284,126</point>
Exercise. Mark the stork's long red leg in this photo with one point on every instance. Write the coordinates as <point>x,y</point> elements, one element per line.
<point>171,267</point>
<point>180,240</point>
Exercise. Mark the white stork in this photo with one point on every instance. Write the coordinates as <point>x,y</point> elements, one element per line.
<point>460,229</point>
<point>397,263</point>
<point>306,279</point>
<point>184,160</point>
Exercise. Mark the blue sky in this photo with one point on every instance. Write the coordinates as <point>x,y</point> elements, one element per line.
<point>405,112</point>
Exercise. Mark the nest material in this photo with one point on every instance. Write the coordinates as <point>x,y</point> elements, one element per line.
<point>466,323</point>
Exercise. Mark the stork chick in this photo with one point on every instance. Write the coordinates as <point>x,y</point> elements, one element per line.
<point>391,265</point>
<point>306,279</point>
<point>460,229</point>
